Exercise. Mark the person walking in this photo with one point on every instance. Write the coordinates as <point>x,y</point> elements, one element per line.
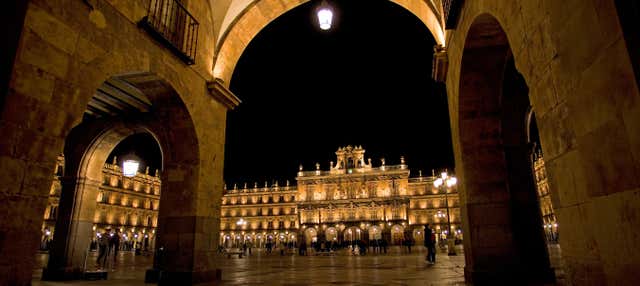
<point>114,243</point>
<point>103,245</point>
<point>430,244</point>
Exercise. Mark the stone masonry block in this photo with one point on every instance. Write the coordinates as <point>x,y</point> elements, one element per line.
<point>51,30</point>
<point>34,82</point>
<point>558,134</point>
<point>567,182</point>
<point>608,160</point>
<point>12,175</point>
<point>616,236</point>
<point>39,53</point>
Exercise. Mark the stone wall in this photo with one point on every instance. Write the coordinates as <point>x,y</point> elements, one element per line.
<point>582,89</point>
<point>66,51</point>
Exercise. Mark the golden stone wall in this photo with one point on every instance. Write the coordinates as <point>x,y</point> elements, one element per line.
<point>127,204</point>
<point>546,206</point>
<point>378,201</point>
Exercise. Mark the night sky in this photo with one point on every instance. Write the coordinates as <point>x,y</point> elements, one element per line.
<point>143,146</point>
<point>306,92</point>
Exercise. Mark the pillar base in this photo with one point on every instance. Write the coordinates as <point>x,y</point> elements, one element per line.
<point>182,278</point>
<point>510,276</point>
<point>152,275</point>
<point>451,247</point>
<point>62,274</point>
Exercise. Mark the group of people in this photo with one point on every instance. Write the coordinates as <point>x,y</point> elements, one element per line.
<point>107,243</point>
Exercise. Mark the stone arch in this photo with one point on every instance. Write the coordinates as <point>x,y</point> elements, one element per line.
<point>331,234</point>
<point>309,234</point>
<point>495,162</point>
<point>375,232</point>
<point>352,234</point>
<point>86,150</point>
<point>397,234</point>
<point>87,147</point>
<point>255,16</point>
<point>38,117</point>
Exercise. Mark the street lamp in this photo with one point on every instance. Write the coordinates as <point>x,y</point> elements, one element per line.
<point>446,183</point>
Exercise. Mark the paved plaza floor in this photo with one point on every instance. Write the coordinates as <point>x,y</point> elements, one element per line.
<point>394,268</point>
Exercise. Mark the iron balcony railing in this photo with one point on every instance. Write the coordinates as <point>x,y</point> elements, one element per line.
<point>170,23</point>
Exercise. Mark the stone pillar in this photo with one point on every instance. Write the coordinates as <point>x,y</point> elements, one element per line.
<point>29,146</point>
<point>186,239</point>
<point>68,253</point>
<point>526,217</point>
<point>23,205</point>
<point>182,245</point>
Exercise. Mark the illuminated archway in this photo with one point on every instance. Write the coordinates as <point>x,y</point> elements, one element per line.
<point>245,20</point>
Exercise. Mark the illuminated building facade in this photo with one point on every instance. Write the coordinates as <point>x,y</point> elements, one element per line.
<point>351,201</point>
<point>126,204</point>
<point>546,206</point>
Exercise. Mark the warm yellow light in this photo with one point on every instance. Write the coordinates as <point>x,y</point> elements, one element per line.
<point>452,181</point>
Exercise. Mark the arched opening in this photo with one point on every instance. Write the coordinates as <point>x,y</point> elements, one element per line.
<point>397,234</point>
<point>331,234</point>
<point>503,224</point>
<point>375,232</point>
<point>89,193</point>
<point>310,236</point>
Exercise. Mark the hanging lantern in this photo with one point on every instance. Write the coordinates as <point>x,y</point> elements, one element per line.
<point>130,165</point>
<point>325,16</point>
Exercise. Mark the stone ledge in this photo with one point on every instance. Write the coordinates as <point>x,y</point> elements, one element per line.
<point>223,94</point>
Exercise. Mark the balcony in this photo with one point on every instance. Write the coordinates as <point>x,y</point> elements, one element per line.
<point>171,24</point>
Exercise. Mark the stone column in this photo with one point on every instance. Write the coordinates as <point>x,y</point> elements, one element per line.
<point>526,216</point>
<point>23,203</point>
<point>74,228</point>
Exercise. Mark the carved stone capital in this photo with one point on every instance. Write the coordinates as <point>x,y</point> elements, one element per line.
<point>440,64</point>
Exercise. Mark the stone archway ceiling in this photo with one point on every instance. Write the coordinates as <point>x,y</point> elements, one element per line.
<point>245,19</point>
<point>485,32</point>
<point>117,97</point>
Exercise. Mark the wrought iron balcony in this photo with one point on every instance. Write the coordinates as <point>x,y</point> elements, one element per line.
<point>169,22</point>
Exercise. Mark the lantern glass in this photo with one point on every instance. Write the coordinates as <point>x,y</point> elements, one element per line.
<point>325,16</point>
<point>130,168</point>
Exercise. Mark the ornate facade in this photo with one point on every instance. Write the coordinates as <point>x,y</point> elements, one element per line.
<point>546,207</point>
<point>127,204</point>
<point>351,201</point>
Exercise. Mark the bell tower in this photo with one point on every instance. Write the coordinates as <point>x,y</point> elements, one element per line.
<point>350,158</point>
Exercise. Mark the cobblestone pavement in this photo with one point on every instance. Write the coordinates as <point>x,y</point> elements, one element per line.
<point>394,268</point>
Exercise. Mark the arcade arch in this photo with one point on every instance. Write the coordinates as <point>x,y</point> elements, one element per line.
<point>605,60</point>
<point>397,234</point>
<point>245,20</point>
<point>310,235</point>
<point>495,162</point>
<point>86,150</point>
<point>331,234</point>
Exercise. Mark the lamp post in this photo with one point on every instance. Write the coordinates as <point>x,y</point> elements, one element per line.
<point>446,182</point>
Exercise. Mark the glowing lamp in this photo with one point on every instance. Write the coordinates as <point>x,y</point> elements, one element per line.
<point>325,16</point>
<point>130,168</point>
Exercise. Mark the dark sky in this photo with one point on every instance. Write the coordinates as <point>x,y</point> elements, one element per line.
<point>142,145</point>
<point>306,92</point>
